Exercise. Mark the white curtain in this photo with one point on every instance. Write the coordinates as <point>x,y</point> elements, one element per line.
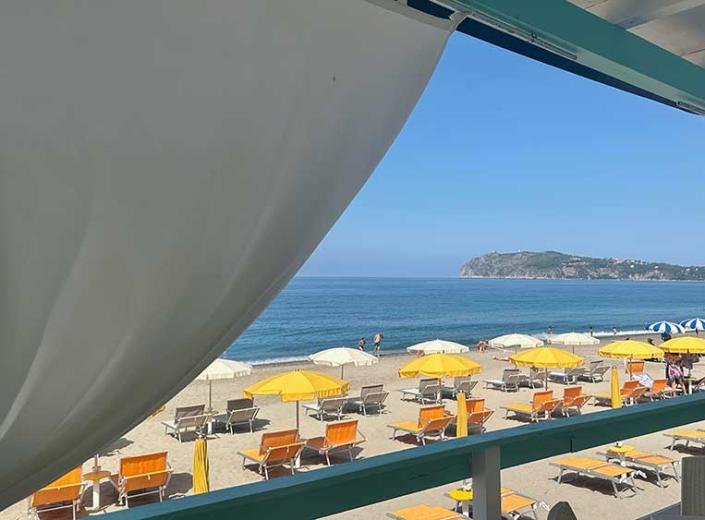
<point>165,167</point>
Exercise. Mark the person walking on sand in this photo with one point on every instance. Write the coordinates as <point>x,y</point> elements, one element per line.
<point>361,344</point>
<point>592,332</point>
<point>377,340</point>
<point>549,335</point>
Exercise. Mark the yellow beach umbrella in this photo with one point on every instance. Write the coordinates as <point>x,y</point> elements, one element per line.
<point>630,349</point>
<point>684,345</point>
<point>440,365</point>
<point>615,394</point>
<point>546,357</point>
<point>461,421</point>
<point>298,385</point>
<point>200,467</point>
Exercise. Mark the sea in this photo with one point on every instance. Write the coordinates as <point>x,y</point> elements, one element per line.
<point>313,313</point>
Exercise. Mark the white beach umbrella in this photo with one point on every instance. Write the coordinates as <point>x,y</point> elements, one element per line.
<point>515,340</point>
<point>341,356</point>
<point>668,327</point>
<point>574,339</point>
<point>438,346</point>
<point>223,369</point>
<point>693,324</point>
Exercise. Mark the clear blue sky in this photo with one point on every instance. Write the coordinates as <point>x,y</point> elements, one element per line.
<point>503,153</point>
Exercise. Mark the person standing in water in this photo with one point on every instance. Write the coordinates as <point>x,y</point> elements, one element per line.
<point>377,340</point>
<point>549,334</point>
<point>361,344</point>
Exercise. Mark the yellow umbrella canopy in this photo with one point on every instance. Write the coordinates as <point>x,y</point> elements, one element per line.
<point>200,467</point>
<point>684,345</point>
<point>440,365</point>
<point>461,421</point>
<point>546,357</point>
<point>630,349</point>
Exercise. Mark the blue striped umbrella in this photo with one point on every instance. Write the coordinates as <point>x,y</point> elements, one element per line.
<point>665,326</point>
<point>694,324</point>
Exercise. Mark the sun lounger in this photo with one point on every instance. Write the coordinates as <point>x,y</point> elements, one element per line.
<point>534,379</point>
<point>243,416</point>
<point>568,376</point>
<point>364,391</point>
<point>659,390</point>
<point>477,415</point>
<point>424,512</point>
<point>429,390</point>
<point>460,384</point>
<point>331,407</point>
<point>595,372</point>
<point>275,449</point>
<point>63,493</point>
<point>239,404</point>
<point>573,400</point>
<point>695,436</point>
<point>432,422</point>
<point>512,504</point>
<point>339,436</point>
<point>635,367</point>
<point>598,469</point>
<point>631,391</point>
<point>644,460</point>
<point>510,380</point>
<point>541,407</point>
<point>142,475</point>
<point>371,400</point>
<point>187,418</point>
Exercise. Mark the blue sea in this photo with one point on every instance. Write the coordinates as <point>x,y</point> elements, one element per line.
<point>311,314</point>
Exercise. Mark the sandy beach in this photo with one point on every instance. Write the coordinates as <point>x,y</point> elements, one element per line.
<point>535,479</point>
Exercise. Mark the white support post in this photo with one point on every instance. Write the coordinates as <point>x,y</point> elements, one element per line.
<point>486,484</point>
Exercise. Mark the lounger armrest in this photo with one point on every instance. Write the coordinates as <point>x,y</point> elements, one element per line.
<point>63,486</point>
<point>148,475</point>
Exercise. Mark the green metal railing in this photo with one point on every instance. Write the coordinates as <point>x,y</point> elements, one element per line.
<point>356,484</point>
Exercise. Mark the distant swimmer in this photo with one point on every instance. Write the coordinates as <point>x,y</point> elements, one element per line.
<point>361,344</point>
<point>377,340</point>
<point>592,332</point>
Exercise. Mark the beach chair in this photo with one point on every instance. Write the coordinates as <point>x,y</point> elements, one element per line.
<point>460,384</point>
<point>659,390</point>
<point>595,372</point>
<point>63,493</point>
<point>573,400</point>
<point>330,407</point>
<point>541,407</point>
<point>534,379</point>
<point>477,415</point>
<point>429,390</point>
<point>568,376</point>
<point>644,460</point>
<point>370,400</point>
<point>276,449</point>
<point>339,436</point>
<point>694,436</point>
<point>142,475</point>
<point>509,381</point>
<point>512,504</point>
<point>243,416</point>
<point>239,404</point>
<point>615,474</point>
<point>186,418</point>
<point>630,391</point>
<point>424,512</point>
<point>635,367</point>
<point>432,422</point>
<point>364,391</point>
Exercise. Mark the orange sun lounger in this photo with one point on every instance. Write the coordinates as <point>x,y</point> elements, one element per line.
<point>696,436</point>
<point>142,475</point>
<point>631,391</point>
<point>629,456</point>
<point>63,493</point>
<point>512,504</point>
<point>598,469</point>
<point>573,400</point>
<point>275,449</point>
<point>340,436</point>
<point>424,512</point>
<point>541,407</point>
<point>432,422</point>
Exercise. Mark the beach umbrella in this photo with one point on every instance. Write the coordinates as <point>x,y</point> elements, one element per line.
<point>461,420</point>
<point>515,340</point>
<point>684,345</point>
<point>222,369</point>
<point>200,467</point>
<point>630,349</point>
<point>437,346</point>
<point>298,385</point>
<point>341,356</point>
<point>575,339</point>
<point>693,324</point>
<point>546,357</point>
<point>668,327</point>
<point>615,393</point>
<point>439,366</point>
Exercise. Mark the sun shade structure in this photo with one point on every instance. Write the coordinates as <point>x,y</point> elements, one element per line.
<point>222,369</point>
<point>515,340</point>
<point>667,327</point>
<point>546,357</point>
<point>200,467</point>
<point>575,338</point>
<point>630,349</point>
<point>438,346</point>
<point>684,345</point>
<point>693,324</point>
<point>341,356</point>
<point>440,365</point>
<point>461,421</point>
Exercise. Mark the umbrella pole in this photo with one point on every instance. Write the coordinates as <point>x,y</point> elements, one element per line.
<point>210,395</point>
<point>546,378</point>
<point>342,371</point>
<point>297,415</point>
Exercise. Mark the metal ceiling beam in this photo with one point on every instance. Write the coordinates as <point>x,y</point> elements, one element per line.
<point>634,13</point>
